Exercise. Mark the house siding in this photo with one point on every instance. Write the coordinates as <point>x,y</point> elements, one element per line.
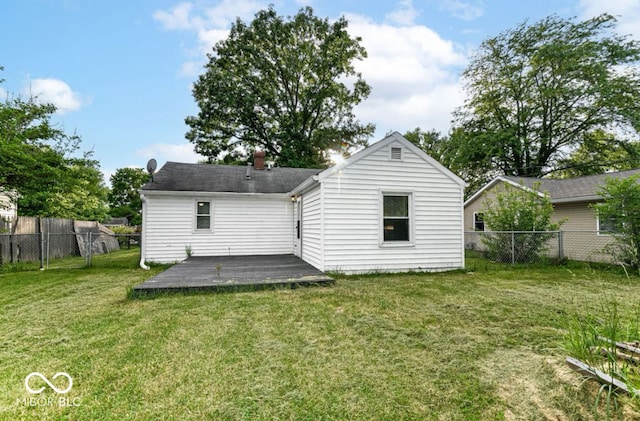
<point>312,228</point>
<point>353,216</point>
<point>241,225</point>
<point>580,239</point>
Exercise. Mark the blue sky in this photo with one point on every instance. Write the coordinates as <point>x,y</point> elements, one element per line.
<point>120,72</point>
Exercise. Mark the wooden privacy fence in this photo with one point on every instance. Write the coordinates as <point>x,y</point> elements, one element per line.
<point>35,239</point>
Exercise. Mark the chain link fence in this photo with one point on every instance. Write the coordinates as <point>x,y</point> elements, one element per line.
<point>61,250</point>
<point>538,246</point>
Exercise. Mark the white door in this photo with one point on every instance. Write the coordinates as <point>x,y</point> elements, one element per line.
<point>297,227</point>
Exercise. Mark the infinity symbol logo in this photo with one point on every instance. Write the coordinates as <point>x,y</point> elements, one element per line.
<point>55,389</point>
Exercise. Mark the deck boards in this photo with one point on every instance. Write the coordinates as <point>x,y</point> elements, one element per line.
<point>235,272</point>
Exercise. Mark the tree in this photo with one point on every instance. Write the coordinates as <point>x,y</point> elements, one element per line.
<point>83,194</point>
<point>520,221</point>
<point>536,91</point>
<point>431,142</point>
<point>124,198</point>
<point>280,85</point>
<point>37,163</point>
<point>598,153</point>
<point>621,210</point>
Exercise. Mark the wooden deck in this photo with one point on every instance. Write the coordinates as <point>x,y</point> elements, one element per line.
<point>224,273</point>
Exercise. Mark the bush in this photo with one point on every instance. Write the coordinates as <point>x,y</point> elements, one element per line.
<point>621,212</point>
<point>520,219</point>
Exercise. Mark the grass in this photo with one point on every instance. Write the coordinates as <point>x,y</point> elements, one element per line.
<point>481,344</point>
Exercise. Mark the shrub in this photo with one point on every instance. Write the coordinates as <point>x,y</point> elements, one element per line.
<point>520,219</point>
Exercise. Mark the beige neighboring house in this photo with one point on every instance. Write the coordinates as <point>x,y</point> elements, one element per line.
<point>584,235</point>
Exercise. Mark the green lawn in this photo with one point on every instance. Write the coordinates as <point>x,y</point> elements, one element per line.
<point>482,344</point>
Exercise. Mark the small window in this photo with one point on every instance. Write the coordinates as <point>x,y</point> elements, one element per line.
<point>396,221</point>
<point>478,221</point>
<point>606,226</point>
<point>396,154</point>
<point>203,215</point>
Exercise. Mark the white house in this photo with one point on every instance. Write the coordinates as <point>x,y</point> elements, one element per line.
<point>387,208</point>
<point>8,206</point>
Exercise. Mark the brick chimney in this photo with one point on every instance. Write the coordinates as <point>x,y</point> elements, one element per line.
<point>258,160</point>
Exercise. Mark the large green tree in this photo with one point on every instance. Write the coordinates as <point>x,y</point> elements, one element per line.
<point>81,195</point>
<point>124,198</point>
<point>287,86</point>
<point>537,90</point>
<point>36,162</point>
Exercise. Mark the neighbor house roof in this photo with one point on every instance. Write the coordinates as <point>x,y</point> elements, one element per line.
<point>175,176</point>
<point>578,189</point>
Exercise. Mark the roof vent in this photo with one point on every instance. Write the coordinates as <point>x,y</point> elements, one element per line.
<point>396,154</point>
<point>248,176</point>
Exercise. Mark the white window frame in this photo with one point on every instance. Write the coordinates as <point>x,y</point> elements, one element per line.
<point>412,222</point>
<point>196,215</point>
<point>604,233</point>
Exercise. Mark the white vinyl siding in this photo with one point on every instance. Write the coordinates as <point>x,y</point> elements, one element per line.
<point>241,225</point>
<point>312,228</point>
<point>352,216</point>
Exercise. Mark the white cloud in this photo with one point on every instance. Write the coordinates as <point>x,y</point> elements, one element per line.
<point>404,15</point>
<point>463,9</point>
<point>210,24</point>
<point>627,12</point>
<point>56,92</point>
<point>162,152</point>
<point>413,73</point>
<point>178,18</point>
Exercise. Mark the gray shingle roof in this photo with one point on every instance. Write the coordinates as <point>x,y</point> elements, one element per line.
<point>572,189</point>
<point>175,176</point>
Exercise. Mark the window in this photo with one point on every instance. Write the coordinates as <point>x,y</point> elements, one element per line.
<point>396,154</point>
<point>396,221</point>
<point>478,221</point>
<point>606,226</point>
<point>203,215</point>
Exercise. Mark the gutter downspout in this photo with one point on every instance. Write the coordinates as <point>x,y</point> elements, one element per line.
<point>144,230</point>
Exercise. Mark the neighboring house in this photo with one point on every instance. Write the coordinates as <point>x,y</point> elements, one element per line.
<point>572,200</point>
<point>8,208</point>
<point>389,207</point>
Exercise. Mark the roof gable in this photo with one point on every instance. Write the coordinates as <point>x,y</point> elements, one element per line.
<point>393,137</point>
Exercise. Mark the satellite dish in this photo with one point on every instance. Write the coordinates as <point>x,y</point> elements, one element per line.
<point>151,167</point>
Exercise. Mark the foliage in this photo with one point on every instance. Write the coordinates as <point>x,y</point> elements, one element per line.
<point>83,195</point>
<point>528,213</point>
<point>37,163</point>
<point>592,339</point>
<point>279,85</point>
<point>124,198</point>
<point>621,208</point>
<point>535,92</point>
<point>598,153</point>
